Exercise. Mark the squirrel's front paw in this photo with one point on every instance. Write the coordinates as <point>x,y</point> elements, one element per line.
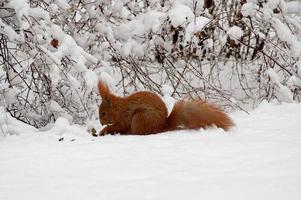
<point>103,132</point>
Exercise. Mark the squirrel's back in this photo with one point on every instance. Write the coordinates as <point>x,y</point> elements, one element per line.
<point>146,100</point>
<point>147,113</point>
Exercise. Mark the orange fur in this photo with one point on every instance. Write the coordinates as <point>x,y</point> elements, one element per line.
<point>145,113</point>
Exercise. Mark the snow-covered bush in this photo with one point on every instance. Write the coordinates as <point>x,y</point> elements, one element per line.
<point>45,73</point>
<point>218,50</point>
<point>236,53</point>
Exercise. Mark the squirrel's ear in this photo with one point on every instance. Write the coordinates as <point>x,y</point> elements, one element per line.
<point>106,101</point>
<point>103,90</point>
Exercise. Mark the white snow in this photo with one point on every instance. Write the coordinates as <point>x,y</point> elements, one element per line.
<point>249,9</point>
<point>259,159</point>
<point>10,125</point>
<point>55,107</point>
<point>273,3</point>
<point>10,95</point>
<point>167,98</point>
<point>141,26</point>
<point>127,48</point>
<point>283,93</point>
<point>273,76</point>
<point>8,31</point>
<point>180,14</point>
<point>235,33</point>
<point>68,47</point>
<point>107,79</point>
<point>195,26</point>
<point>74,82</point>
<point>63,4</point>
<point>54,75</point>
<point>294,7</point>
<point>21,8</point>
<point>39,13</point>
<point>294,81</point>
<point>285,35</point>
<point>91,80</point>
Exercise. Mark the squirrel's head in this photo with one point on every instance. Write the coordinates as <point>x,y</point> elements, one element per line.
<point>106,111</point>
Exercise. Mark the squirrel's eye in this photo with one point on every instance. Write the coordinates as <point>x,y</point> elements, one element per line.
<point>103,114</point>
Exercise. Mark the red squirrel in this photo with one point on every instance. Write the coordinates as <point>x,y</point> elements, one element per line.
<point>144,113</point>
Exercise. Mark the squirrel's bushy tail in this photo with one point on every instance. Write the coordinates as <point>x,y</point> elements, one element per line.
<point>193,114</point>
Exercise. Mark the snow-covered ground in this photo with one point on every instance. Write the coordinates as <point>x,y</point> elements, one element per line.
<point>259,159</point>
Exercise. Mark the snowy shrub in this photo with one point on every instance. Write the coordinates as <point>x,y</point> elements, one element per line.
<point>235,53</point>
<point>45,72</point>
